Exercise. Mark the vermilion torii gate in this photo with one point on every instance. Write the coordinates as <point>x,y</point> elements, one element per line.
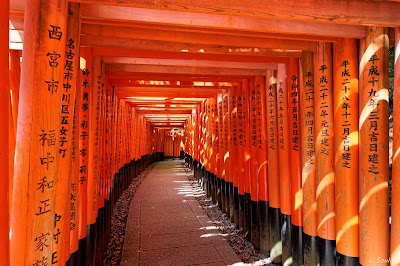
<point>284,106</point>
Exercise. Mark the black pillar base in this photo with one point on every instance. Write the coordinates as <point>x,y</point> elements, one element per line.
<point>232,204</point>
<point>310,250</point>
<point>241,213</point>
<point>90,245</point>
<point>265,246</point>
<point>223,195</point>
<point>346,260</point>
<point>297,245</point>
<point>286,235</point>
<point>275,217</point>
<point>82,252</point>
<point>226,198</point>
<point>247,216</point>
<point>74,259</point>
<point>218,192</point>
<point>326,251</point>
<point>255,224</point>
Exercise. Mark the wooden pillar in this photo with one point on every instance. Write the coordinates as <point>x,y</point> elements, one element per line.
<point>308,160</point>
<point>4,137</point>
<point>274,211</point>
<point>221,153</point>
<point>262,169</point>
<point>254,186</point>
<point>395,238</point>
<point>246,156</point>
<point>226,156</point>
<point>71,72</point>
<point>83,108</point>
<point>374,147</point>
<point>234,152</point>
<point>14,77</point>
<point>241,151</point>
<point>75,174</point>
<point>325,176</point>
<point>218,148</point>
<point>295,163</point>
<point>34,234</point>
<point>284,160</point>
<point>345,102</point>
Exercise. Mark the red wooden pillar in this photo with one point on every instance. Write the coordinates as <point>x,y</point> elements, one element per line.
<point>325,176</point>
<point>71,73</point>
<point>83,147</point>
<point>246,155</point>
<point>284,160</point>
<point>295,157</point>
<point>226,157</point>
<point>254,189</point>
<point>234,152</point>
<point>4,137</point>
<point>14,77</point>
<point>221,153</point>
<point>274,211</point>
<point>75,174</point>
<point>395,238</point>
<point>374,147</point>
<point>308,159</point>
<point>345,102</point>
<point>33,234</point>
<point>262,169</point>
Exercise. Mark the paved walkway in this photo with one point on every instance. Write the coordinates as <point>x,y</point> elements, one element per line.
<point>166,225</point>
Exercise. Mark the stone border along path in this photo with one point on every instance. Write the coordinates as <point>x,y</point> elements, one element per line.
<point>243,248</point>
<point>113,252</point>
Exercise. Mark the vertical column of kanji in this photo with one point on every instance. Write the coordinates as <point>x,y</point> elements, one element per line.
<point>254,210</point>
<point>295,163</point>
<point>395,238</point>
<point>325,176</point>
<point>308,159</point>
<point>262,171</point>
<point>284,160</point>
<point>213,148</point>
<point>74,173</point>
<point>221,153</point>
<point>273,169</point>
<point>195,136</point>
<point>94,162</point>
<point>374,147</point>
<point>202,143</point>
<point>101,196</point>
<point>37,146</point>
<point>84,119</point>
<point>206,134</point>
<point>5,119</point>
<point>116,142</point>
<point>246,155</point>
<point>345,102</point>
<point>62,223</point>
<point>113,130</point>
<point>225,156</point>
<point>233,155</point>
<point>240,155</point>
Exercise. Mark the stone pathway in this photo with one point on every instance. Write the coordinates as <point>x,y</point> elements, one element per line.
<point>167,226</point>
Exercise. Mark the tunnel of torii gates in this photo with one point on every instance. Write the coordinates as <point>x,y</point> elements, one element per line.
<point>290,138</point>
